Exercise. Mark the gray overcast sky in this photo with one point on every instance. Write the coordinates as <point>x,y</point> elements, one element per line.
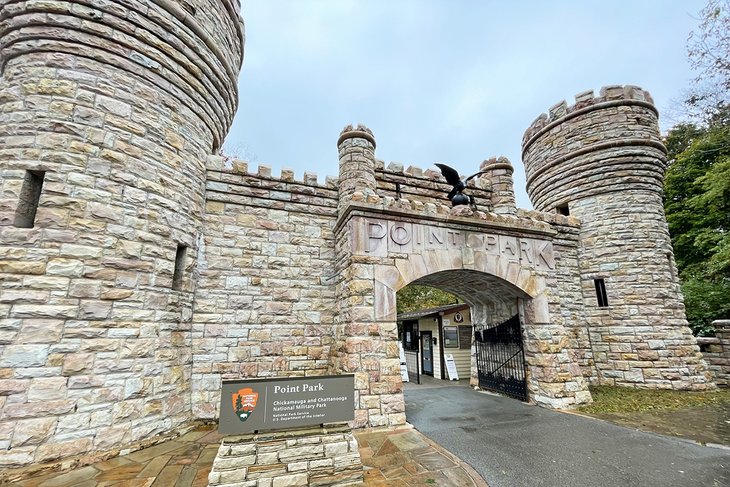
<point>451,81</point>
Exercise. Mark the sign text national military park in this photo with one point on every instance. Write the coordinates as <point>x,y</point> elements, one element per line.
<point>270,404</point>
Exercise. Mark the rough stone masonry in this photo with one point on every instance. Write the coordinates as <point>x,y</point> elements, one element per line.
<point>137,270</point>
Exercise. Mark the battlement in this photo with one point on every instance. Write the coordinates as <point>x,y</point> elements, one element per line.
<point>424,185</point>
<point>413,171</point>
<point>357,131</point>
<point>241,167</point>
<point>584,102</point>
<point>606,143</point>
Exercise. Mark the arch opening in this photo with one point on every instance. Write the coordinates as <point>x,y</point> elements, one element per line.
<point>477,340</point>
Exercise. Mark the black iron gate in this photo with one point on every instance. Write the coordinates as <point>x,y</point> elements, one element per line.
<point>412,361</point>
<point>501,359</point>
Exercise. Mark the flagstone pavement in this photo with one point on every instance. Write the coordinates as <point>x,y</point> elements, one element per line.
<point>391,457</point>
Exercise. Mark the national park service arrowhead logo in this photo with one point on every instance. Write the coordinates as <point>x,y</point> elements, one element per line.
<point>244,402</point>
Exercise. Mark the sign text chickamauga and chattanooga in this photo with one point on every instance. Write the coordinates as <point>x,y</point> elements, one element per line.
<point>270,404</point>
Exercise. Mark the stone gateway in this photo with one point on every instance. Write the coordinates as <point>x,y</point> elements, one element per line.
<point>138,270</point>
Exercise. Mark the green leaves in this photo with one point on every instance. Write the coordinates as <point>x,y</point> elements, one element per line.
<point>414,298</point>
<point>706,301</point>
<point>697,205</point>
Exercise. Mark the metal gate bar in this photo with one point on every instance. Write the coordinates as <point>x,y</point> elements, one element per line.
<point>412,366</point>
<point>501,359</point>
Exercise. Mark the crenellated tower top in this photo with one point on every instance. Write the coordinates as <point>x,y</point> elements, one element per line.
<point>601,144</point>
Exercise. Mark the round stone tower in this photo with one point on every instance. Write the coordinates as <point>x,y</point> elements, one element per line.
<point>109,111</point>
<point>603,161</point>
<point>498,171</point>
<point>356,148</point>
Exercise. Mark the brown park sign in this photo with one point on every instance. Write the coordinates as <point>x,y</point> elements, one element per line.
<point>272,404</point>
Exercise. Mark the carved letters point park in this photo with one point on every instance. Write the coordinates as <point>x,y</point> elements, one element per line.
<point>384,236</point>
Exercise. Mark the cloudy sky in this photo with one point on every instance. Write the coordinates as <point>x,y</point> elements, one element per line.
<point>452,81</point>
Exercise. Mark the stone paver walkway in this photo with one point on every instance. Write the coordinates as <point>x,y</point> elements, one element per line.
<point>404,457</point>
<point>182,462</point>
<point>400,457</point>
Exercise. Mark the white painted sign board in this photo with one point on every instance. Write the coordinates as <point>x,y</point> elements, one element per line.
<point>403,367</point>
<point>451,368</point>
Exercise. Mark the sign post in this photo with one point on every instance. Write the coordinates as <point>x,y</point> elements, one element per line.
<point>272,404</point>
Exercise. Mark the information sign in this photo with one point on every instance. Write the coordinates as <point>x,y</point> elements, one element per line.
<point>451,368</point>
<point>403,365</point>
<point>271,404</point>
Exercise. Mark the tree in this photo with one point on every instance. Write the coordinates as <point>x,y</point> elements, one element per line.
<point>705,301</point>
<point>708,49</point>
<point>697,184</point>
<point>415,297</point>
<point>697,205</point>
<point>697,198</point>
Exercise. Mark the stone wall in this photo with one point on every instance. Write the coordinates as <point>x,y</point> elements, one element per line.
<point>117,104</point>
<point>716,352</point>
<point>566,244</point>
<point>318,456</point>
<point>265,298</point>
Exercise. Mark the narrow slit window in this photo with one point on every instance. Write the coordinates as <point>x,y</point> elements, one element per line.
<point>30,194</point>
<point>563,210</point>
<point>601,293</point>
<point>188,7</point>
<point>177,277</point>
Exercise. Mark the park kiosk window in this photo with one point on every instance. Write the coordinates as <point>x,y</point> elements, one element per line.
<point>410,335</point>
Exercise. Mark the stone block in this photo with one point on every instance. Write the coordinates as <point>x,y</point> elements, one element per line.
<point>16,457</point>
<point>53,451</point>
<point>291,480</point>
<point>334,449</point>
<point>299,453</point>
<point>47,389</point>
<point>17,356</point>
<point>231,476</point>
<point>33,431</point>
<point>77,363</point>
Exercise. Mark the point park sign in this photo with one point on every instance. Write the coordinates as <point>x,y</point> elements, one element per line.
<point>274,404</point>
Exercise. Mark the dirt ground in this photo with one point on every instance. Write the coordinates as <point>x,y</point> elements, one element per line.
<point>704,423</point>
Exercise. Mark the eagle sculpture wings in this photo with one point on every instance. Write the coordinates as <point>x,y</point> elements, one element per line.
<point>452,177</point>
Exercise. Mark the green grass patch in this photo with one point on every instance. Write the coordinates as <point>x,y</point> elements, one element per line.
<point>611,399</point>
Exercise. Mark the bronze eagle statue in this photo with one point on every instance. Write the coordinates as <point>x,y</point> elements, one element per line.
<point>452,177</point>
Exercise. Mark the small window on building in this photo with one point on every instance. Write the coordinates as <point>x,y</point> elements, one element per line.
<point>451,337</point>
<point>465,333</point>
<point>189,8</point>
<point>30,194</point>
<point>601,293</point>
<point>177,276</point>
<point>563,210</point>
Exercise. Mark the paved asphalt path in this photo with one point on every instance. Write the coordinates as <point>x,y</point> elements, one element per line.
<point>512,444</point>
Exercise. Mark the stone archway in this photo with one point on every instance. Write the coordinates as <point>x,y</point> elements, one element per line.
<point>381,254</point>
<point>491,301</point>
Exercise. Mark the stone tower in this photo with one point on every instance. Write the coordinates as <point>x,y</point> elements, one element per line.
<point>109,110</point>
<point>498,171</point>
<point>603,161</point>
